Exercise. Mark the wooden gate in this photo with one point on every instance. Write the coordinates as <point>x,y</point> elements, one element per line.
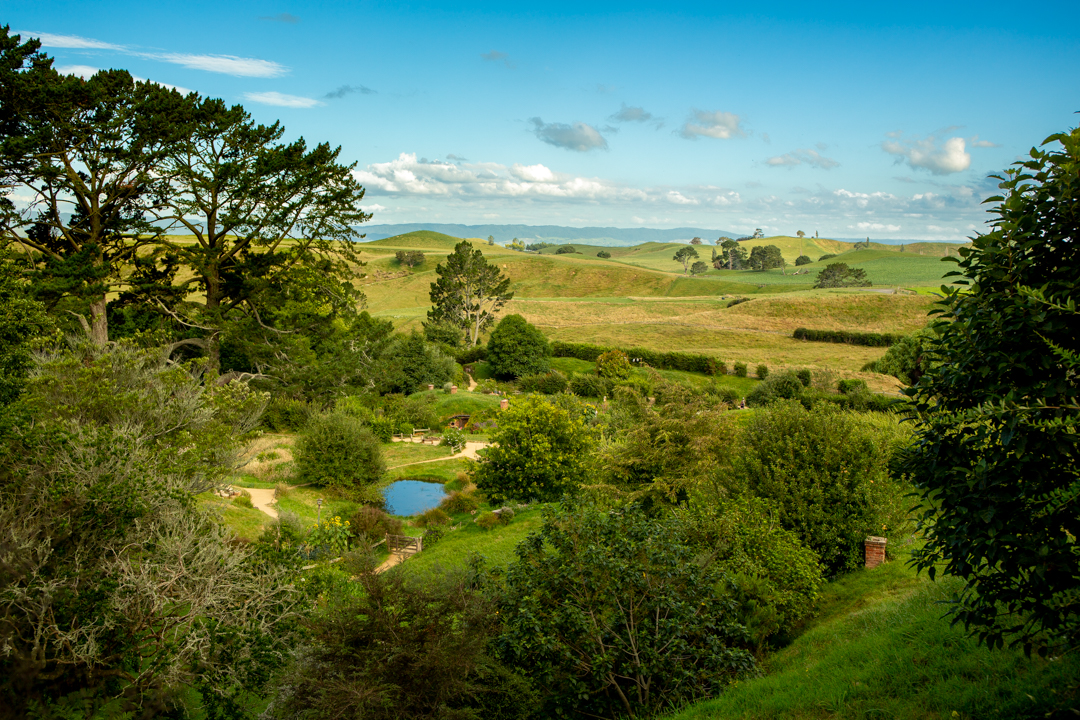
<point>404,545</point>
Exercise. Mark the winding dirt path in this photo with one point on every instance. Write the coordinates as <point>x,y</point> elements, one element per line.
<point>263,499</point>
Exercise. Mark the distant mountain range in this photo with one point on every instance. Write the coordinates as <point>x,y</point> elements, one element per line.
<point>503,234</point>
<point>607,236</point>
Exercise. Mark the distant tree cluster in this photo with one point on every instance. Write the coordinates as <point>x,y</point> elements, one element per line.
<point>765,258</point>
<point>409,258</point>
<point>566,250</point>
<point>836,275</point>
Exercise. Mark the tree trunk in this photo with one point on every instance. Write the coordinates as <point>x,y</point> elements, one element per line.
<point>99,321</point>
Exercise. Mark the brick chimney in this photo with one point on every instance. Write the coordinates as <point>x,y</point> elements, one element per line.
<point>875,551</point>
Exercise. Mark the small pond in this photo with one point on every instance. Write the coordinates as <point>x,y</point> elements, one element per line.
<point>411,497</point>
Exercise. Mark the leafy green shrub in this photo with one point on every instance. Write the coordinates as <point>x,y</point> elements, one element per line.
<point>284,414</point>
<point>488,385</point>
<point>803,260</point>
<point>785,386</point>
<point>332,534</point>
<point>487,520</point>
<point>613,364</point>
<point>433,534</point>
<point>540,450</point>
<point>777,578</point>
<point>372,524</point>
<point>716,367</point>
<point>909,358</point>
<point>762,372</point>
<point>588,385</point>
<point>243,500</point>
<point>603,254</point>
<point>472,354</point>
<point>336,450</point>
<point>825,471</point>
<point>634,572</point>
<point>404,645</point>
<point>517,348</point>
<point>725,393</point>
<point>805,377</point>
<point>640,385</point>
<point>566,250</point>
<point>738,301</point>
<point>504,515</point>
<point>549,383</point>
<point>847,387</point>
<point>382,428</point>
<point>740,369</point>
<point>688,362</point>
<point>448,387</point>
<point>432,516</point>
<point>453,439</point>
<point>826,256</point>
<point>410,364</point>
<point>459,502</point>
<point>280,490</point>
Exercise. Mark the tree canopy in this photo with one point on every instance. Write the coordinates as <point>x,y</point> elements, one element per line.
<point>836,275</point>
<point>517,348</point>
<point>469,291</point>
<point>685,255</point>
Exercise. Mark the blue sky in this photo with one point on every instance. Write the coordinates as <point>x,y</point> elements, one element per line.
<point>879,120</point>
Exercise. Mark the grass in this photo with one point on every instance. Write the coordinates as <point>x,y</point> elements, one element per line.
<point>401,453</point>
<point>245,523</point>
<point>880,648</point>
<point>461,403</point>
<point>303,502</point>
<point>495,545</point>
<point>444,471</point>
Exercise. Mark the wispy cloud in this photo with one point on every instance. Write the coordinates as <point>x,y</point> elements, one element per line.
<point>719,124</point>
<point>803,157</point>
<point>348,90</point>
<point>225,64</point>
<point>497,56</point>
<point>281,99</point>
<point>629,114</point>
<point>944,158</point>
<point>578,136</point>
<point>281,18</point>
<point>74,42</point>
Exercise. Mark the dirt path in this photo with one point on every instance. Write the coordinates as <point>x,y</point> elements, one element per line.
<point>470,452</point>
<point>263,499</point>
<point>472,384</point>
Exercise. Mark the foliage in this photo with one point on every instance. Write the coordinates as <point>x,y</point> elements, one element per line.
<point>453,439</point>
<point>765,257</point>
<point>539,451</point>
<point>689,362</point>
<point>21,321</point>
<point>410,364</point>
<point>409,258</point>
<point>610,613</point>
<point>372,524</point>
<point>840,275</point>
<point>803,260</point>
<point>332,535</point>
<point>805,376</point>
<point>826,256</point>
<point>724,393</point>
<point>847,336</point>
<point>909,358</point>
<point>566,250</point>
<point>468,292</point>
<point>587,385</point>
<point>613,364</point>
<point>603,254</point>
<point>716,367</point>
<point>487,520</point>
<point>460,501</point>
<point>338,451</point>
<point>699,268</point>
<point>777,579</point>
<point>549,383</point>
<point>762,372</point>
<point>740,369</point>
<point>116,585</point>
<point>517,348</point>
<point>444,333</point>
<point>782,386</point>
<point>733,256</point>
<point>996,460</point>
<point>825,471</point>
<point>851,386</point>
<point>285,414</point>
<point>685,255</point>
<point>405,646</point>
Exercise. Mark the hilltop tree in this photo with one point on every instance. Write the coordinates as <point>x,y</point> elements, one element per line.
<point>469,292</point>
<point>491,239</point>
<point>733,255</point>
<point>997,453</point>
<point>684,255</point>
<point>86,154</point>
<point>840,275</point>
<point>758,234</point>
<point>765,257</point>
<point>695,241</point>
<point>800,233</point>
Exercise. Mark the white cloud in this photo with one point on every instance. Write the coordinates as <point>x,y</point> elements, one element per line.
<point>224,64</point>
<point>73,42</point>
<point>532,173</point>
<point>800,157</point>
<point>578,136</point>
<point>940,159</point>
<point>719,124</point>
<point>281,99</point>
<point>866,226</point>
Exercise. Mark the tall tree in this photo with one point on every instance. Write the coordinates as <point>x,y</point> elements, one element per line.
<point>684,255</point>
<point>734,256</point>
<point>468,292</point>
<point>260,214</point>
<point>85,154</point>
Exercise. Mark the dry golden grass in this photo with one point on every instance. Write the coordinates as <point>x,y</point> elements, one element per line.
<point>269,457</point>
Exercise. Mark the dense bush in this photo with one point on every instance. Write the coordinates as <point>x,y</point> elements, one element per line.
<point>689,362</point>
<point>784,386</point>
<point>404,646</point>
<point>716,367</point>
<point>612,614</point>
<point>726,393</point>
<point>826,256</point>
<point>849,386</point>
<point>614,365</point>
<point>432,516</point>
<point>549,383</point>
<point>588,385</point>
<point>473,354</point>
<point>762,372</point>
<point>566,250</point>
<point>847,336</point>
<point>603,254</point>
<point>370,524</point>
<point>459,501</point>
<point>909,358</point>
<point>738,301</point>
<point>487,520</point>
<point>517,348</point>
<point>740,369</point>
<point>803,260</point>
<point>410,364</point>
<point>805,376</point>
<point>540,450</point>
<point>453,439</point>
<point>825,472</point>
<point>840,275</point>
<point>338,451</point>
<point>285,414</point>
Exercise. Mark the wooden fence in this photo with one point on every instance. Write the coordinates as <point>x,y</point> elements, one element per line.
<point>404,545</point>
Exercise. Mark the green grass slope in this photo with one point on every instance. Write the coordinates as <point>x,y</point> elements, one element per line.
<point>880,648</point>
<point>419,240</point>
